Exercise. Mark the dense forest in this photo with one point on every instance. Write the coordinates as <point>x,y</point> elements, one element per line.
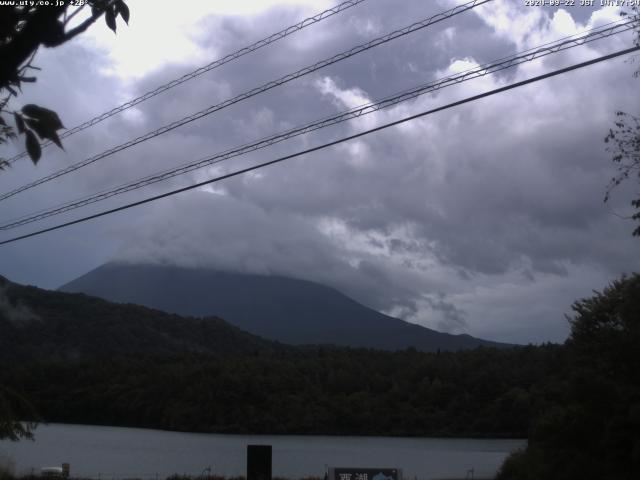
<point>485,392</point>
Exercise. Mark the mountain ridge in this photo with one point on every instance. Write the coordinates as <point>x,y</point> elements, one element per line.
<point>279,308</point>
<point>37,324</point>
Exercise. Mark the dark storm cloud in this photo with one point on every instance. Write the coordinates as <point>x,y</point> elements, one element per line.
<point>485,219</point>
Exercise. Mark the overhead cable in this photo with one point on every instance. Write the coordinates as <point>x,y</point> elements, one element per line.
<point>207,68</point>
<point>326,145</point>
<point>479,71</point>
<point>255,91</point>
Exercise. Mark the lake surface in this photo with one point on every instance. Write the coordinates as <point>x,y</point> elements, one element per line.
<point>113,452</point>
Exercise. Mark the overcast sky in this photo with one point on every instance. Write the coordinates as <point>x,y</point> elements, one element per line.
<point>484,219</point>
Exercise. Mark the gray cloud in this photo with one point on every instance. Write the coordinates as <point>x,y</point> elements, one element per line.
<point>454,320</point>
<point>486,219</point>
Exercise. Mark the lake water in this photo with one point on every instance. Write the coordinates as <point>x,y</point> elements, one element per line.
<point>112,452</point>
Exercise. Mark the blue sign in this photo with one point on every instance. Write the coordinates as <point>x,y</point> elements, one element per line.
<point>365,474</point>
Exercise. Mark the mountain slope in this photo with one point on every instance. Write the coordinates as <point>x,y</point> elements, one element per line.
<point>37,324</point>
<point>278,308</point>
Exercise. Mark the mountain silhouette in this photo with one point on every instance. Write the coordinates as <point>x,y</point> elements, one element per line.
<point>278,308</point>
<point>43,325</point>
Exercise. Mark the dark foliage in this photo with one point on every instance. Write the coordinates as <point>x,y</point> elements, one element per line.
<point>592,430</point>
<point>480,393</point>
<point>24,28</point>
<point>624,139</point>
<point>13,406</point>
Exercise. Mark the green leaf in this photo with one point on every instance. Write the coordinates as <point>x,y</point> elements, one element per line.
<point>46,116</point>
<point>33,147</point>
<point>98,7</point>
<point>44,130</point>
<point>110,18</point>
<point>123,10</point>
<point>36,126</point>
<point>53,136</point>
<point>19,122</point>
<point>32,110</point>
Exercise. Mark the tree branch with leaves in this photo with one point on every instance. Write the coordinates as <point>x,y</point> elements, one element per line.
<point>624,143</point>
<point>624,139</point>
<point>14,408</point>
<point>23,30</point>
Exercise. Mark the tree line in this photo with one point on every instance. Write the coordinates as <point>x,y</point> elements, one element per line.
<point>319,390</point>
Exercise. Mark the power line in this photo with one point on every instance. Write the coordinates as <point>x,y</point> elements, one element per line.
<point>329,144</point>
<point>255,91</point>
<point>482,70</point>
<point>207,68</point>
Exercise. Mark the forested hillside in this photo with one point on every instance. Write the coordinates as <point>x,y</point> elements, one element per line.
<point>39,324</point>
<point>480,393</point>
